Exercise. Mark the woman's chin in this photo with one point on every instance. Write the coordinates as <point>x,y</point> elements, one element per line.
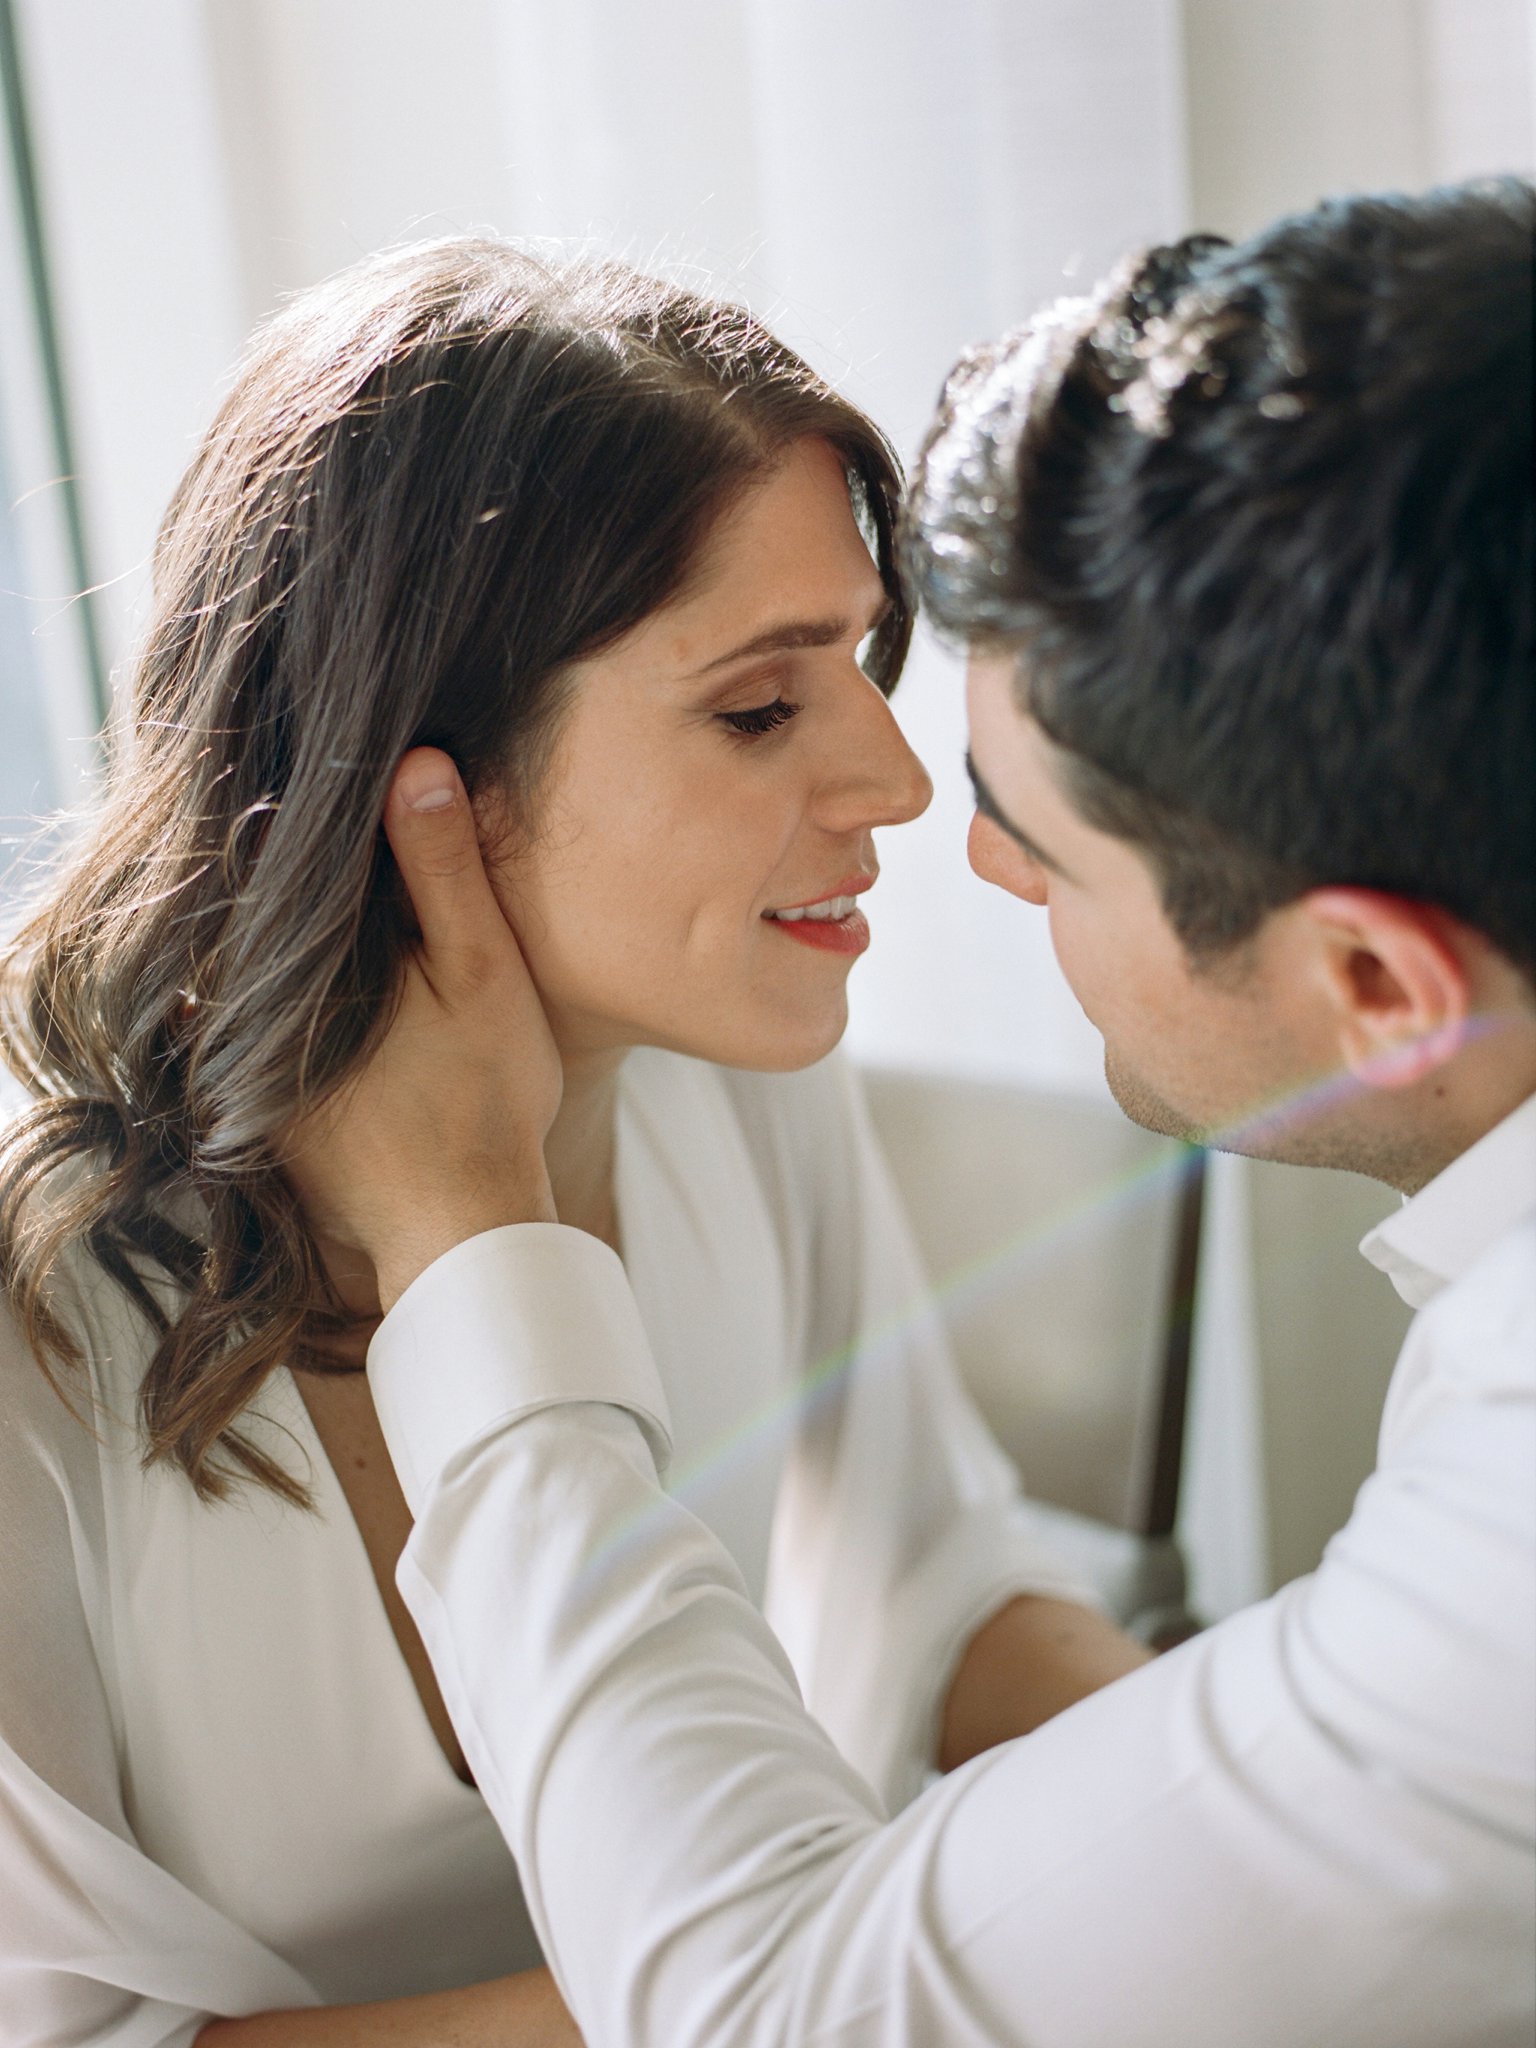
<point>765,1044</point>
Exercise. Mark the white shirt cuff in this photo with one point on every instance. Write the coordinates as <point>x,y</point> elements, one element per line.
<point>518,1319</point>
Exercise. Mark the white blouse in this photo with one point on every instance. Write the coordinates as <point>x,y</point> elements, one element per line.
<point>219,1791</point>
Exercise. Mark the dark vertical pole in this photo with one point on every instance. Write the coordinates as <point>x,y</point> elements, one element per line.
<point>24,175</point>
<point>1168,1458</point>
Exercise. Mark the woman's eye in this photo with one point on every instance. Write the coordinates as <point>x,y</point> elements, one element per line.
<point>763,718</point>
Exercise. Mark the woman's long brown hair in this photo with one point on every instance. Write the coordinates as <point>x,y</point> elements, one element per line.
<point>438,481</point>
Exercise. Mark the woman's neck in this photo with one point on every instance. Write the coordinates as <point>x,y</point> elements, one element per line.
<point>580,1152</point>
<point>581,1147</point>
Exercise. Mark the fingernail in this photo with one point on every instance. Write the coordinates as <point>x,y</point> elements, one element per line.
<point>427,784</point>
<point>426,780</point>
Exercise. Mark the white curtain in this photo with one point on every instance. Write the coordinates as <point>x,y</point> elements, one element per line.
<point>886,183</point>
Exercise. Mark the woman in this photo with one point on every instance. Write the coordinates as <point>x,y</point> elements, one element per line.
<point>603,542</point>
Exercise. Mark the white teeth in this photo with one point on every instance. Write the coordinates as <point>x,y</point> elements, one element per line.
<point>822,913</point>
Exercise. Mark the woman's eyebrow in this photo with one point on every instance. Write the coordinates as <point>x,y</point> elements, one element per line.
<point>989,808</point>
<point>791,634</point>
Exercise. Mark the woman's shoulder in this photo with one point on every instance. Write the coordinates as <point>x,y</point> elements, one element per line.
<point>109,1335</point>
<point>54,1426</point>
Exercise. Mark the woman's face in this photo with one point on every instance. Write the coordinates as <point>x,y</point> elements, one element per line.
<point>720,769</point>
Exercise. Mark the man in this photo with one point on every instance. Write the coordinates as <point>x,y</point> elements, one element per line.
<point>1242,548</point>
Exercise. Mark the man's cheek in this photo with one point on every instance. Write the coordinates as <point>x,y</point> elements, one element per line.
<point>1078,954</point>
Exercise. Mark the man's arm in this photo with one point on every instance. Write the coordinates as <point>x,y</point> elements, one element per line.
<point>1198,1855</point>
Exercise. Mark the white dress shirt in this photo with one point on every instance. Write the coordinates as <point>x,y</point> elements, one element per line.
<point>1311,1827</point>
<point>218,1789</point>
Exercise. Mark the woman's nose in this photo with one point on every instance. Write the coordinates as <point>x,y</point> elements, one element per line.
<point>878,780</point>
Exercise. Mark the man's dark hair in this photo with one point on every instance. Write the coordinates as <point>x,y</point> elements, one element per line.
<point>1258,521</point>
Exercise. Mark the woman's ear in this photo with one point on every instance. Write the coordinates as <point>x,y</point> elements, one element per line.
<point>499,807</point>
<point>1397,980</point>
<point>502,839</point>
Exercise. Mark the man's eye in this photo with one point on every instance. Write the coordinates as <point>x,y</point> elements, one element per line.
<point>763,718</point>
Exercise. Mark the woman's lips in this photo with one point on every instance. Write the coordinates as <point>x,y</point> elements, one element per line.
<point>813,926</point>
<point>848,935</point>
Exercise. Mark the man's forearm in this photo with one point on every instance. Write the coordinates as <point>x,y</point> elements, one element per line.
<point>1035,1657</point>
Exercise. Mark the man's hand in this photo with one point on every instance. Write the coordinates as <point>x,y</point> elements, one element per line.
<point>440,1135</point>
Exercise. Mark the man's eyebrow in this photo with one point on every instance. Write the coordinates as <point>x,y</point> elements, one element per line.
<point>989,808</point>
<point>791,634</point>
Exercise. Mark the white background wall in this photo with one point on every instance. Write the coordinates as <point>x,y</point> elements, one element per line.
<point>884,180</point>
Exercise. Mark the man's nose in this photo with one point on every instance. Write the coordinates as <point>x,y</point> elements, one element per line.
<point>996,859</point>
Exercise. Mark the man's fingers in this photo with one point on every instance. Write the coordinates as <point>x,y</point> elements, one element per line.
<point>431,829</point>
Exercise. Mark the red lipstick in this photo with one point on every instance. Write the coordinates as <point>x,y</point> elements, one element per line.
<point>847,934</point>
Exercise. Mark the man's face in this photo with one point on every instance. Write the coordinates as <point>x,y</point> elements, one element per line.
<point>1239,1053</point>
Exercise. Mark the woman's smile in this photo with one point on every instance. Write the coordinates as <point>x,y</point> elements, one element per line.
<point>832,923</point>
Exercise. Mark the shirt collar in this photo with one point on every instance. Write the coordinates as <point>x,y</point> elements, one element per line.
<point>1435,1237</point>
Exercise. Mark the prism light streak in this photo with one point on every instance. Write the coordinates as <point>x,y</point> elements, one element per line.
<point>1254,1134</point>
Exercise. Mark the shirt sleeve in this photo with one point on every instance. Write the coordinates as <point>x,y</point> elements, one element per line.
<point>901,1526</point>
<point>99,1946</point>
<point>1247,1841</point>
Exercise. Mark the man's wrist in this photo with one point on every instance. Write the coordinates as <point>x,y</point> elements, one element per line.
<point>432,1233</point>
<point>518,1319</point>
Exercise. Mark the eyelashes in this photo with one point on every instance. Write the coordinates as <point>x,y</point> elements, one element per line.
<point>761,719</point>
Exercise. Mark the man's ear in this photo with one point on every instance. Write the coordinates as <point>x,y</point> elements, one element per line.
<point>1397,980</point>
